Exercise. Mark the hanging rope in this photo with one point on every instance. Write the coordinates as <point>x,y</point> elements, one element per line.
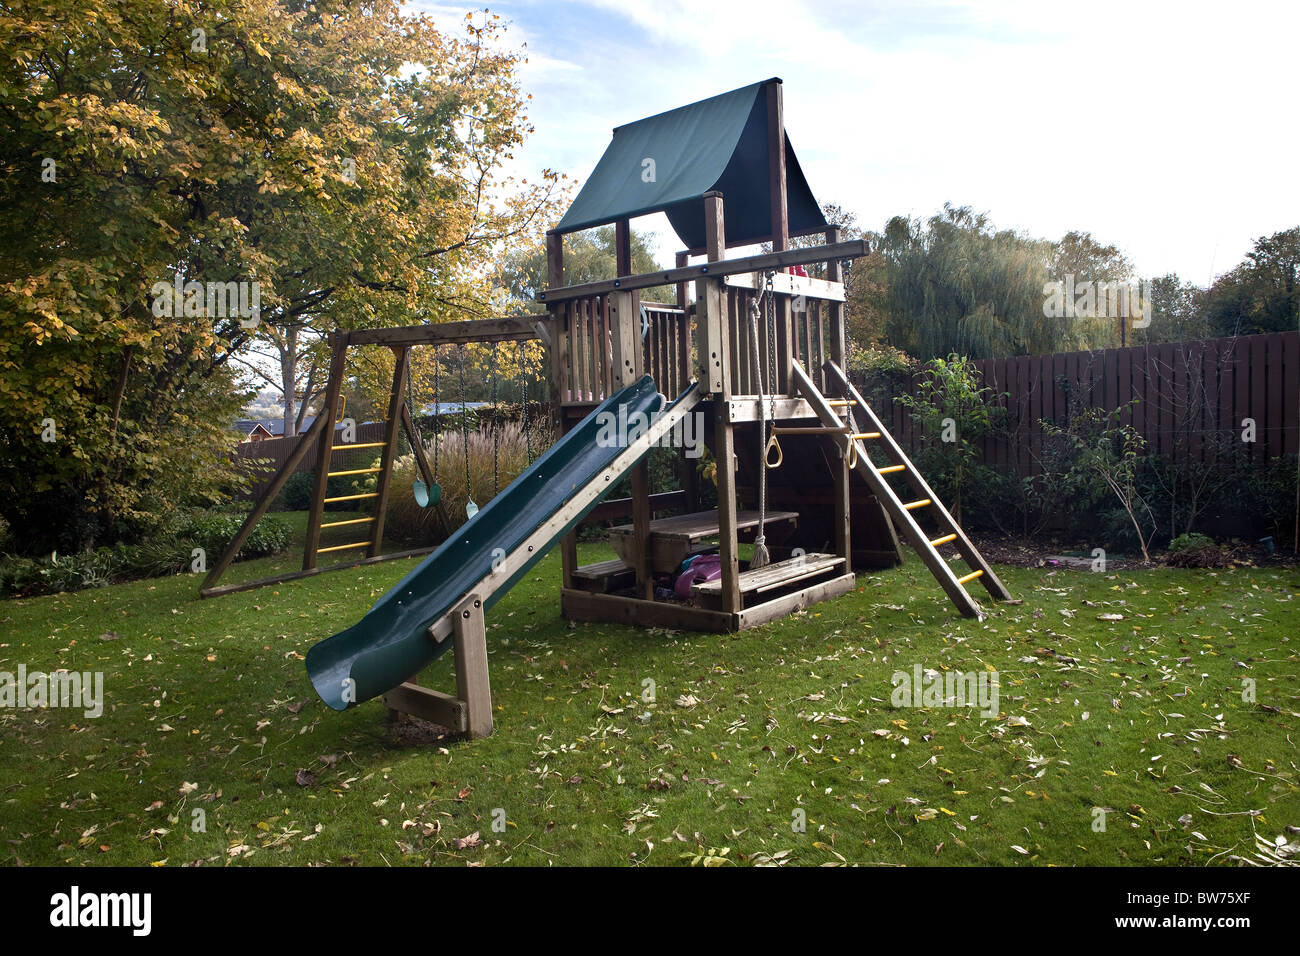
<point>437,414</point>
<point>523,392</point>
<point>471,509</point>
<point>761,556</point>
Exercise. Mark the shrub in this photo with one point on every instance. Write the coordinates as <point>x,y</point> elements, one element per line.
<point>1196,551</point>
<point>297,491</point>
<point>213,532</point>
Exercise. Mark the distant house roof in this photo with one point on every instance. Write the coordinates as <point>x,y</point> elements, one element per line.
<point>274,427</point>
<point>252,429</point>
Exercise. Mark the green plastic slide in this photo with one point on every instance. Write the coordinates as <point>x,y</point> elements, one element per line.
<point>390,644</point>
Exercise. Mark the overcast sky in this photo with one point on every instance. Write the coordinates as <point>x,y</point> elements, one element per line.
<point>1168,129</point>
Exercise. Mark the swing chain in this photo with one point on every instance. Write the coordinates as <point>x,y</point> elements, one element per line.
<point>496,421</point>
<point>437,414</point>
<point>523,389</point>
<point>464,425</point>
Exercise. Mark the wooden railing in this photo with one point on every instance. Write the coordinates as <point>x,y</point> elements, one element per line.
<point>583,360</point>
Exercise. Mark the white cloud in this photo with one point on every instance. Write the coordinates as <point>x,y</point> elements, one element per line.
<point>1166,128</point>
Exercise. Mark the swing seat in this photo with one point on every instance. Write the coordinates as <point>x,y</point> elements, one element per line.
<point>426,495</point>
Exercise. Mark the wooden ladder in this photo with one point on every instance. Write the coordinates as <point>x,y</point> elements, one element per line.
<point>852,442</point>
<point>374,542</point>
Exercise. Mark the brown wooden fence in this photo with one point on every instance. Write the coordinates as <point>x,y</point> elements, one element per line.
<point>1192,398</point>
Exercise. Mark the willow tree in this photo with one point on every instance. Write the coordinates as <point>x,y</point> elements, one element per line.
<point>954,284</point>
<point>341,160</point>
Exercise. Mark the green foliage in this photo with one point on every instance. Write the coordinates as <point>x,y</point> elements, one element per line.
<point>1262,294</point>
<point>1108,456</point>
<point>954,284</point>
<point>291,146</point>
<point>953,409</point>
<point>169,553</point>
<point>214,531</point>
<point>589,256</point>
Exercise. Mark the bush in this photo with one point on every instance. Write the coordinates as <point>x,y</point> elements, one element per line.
<point>168,554</point>
<point>1196,551</point>
<point>297,491</point>
<point>213,532</point>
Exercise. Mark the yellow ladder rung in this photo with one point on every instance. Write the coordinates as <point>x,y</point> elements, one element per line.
<point>863,435</point>
<point>970,577</point>
<point>944,540</point>
<point>840,402</point>
<point>372,494</point>
<point>339,524</point>
<point>344,547</point>
<point>911,505</point>
<point>354,471</point>
<point>890,469</point>
<point>348,446</point>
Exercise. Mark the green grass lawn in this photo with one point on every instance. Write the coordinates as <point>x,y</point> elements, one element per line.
<point>208,708</point>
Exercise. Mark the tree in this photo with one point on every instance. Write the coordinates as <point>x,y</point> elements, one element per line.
<point>341,161</point>
<point>1263,293</point>
<point>589,256</point>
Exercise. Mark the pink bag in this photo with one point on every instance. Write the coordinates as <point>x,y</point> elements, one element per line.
<point>707,567</point>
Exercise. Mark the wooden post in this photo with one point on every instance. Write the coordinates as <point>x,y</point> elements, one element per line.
<point>624,317</point>
<point>338,363</point>
<point>690,477</point>
<point>401,361</point>
<point>711,303</point>
<point>843,523</point>
<point>472,683</point>
<point>555,279</point>
<point>780,226</point>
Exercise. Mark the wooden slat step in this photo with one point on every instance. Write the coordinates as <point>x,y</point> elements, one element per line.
<point>777,575</point>
<point>600,569</point>
<point>340,524</point>
<point>344,547</point>
<point>370,494</point>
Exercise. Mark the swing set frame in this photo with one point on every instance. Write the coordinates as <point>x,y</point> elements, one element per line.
<point>321,439</point>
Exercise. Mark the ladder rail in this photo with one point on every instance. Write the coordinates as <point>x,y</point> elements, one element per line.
<point>917,538</point>
<point>965,547</point>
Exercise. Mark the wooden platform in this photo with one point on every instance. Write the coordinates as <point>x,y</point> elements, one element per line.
<point>768,582</point>
<point>672,539</point>
<point>582,606</point>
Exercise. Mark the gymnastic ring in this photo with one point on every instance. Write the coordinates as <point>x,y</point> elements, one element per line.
<point>767,453</point>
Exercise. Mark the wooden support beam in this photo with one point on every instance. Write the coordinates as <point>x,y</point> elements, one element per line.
<point>295,575</point>
<point>428,704</point>
<point>472,684</point>
<point>282,475</point>
<point>513,328</point>
<point>838,330</point>
<point>852,249</point>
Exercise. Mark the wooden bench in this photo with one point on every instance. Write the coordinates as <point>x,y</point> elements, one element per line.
<point>604,576</point>
<point>673,540</point>
<point>761,583</point>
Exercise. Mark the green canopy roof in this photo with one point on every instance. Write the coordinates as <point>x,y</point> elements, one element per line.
<point>715,144</point>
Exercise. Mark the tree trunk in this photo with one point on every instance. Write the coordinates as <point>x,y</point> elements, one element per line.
<point>289,379</point>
